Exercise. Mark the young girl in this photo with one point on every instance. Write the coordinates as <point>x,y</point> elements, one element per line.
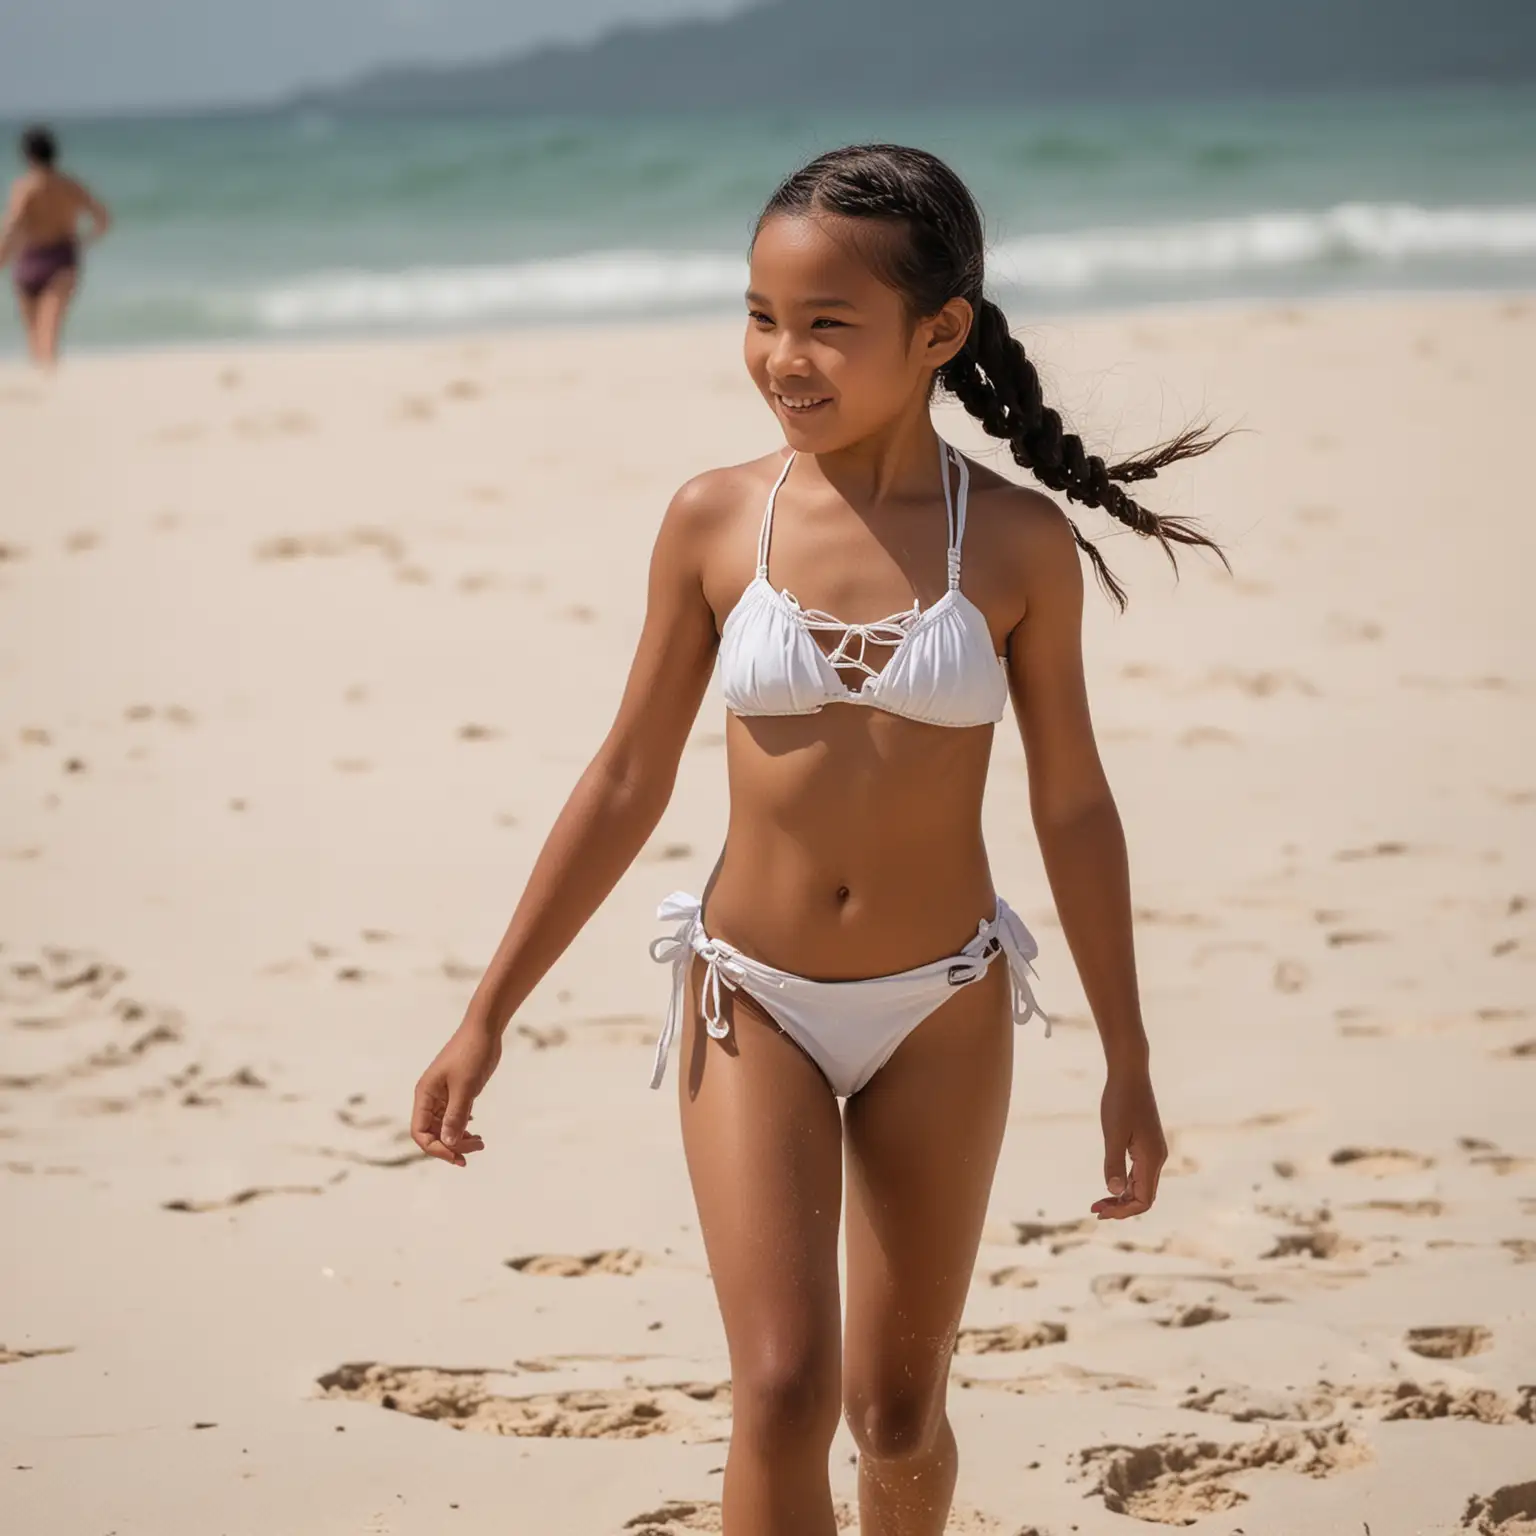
<point>850,944</point>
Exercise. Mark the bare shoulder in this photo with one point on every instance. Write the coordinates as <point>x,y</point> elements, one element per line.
<point>23,190</point>
<point>712,523</point>
<point>712,501</point>
<point>1019,542</point>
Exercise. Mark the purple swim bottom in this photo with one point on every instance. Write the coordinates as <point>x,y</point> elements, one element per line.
<point>38,265</point>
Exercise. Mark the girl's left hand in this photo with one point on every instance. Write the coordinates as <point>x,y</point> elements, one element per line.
<point>1132,1126</point>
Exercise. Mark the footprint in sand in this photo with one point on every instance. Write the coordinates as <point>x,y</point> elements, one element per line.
<point>1014,1277</point>
<point>1450,1342</point>
<point>1063,1377</point>
<point>1207,736</point>
<point>1510,1511</point>
<point>1009,1338</point>
<point>606,1261</point>
<point>1154,1290</point>
<point>245,1196</point>
<point>1342,936</point>
<point>1058,1236</point>
<point>695,1411</point>
<point>11,1356</point>
<point>1290,976</point>
<point>1384,850</point>
<point>71,1019</point>
<point>667,853</point>
<point>1389,1402</point>
<point>296,546</point>
<point>1195,1316</point>
<point>1316,1238</point>
<point>1380,1162</point>
<point>1258,685</point>
<point>1176,1481</point>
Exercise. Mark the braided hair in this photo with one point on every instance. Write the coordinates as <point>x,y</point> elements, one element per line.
<point>938,255</point>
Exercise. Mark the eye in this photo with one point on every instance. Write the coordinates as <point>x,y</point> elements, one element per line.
<point>825,320</point>
<point>758,316</point>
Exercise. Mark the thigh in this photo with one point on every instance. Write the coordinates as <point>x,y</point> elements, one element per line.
<point>762,1136</point>
<point>54,300</point>
<point>922,1139</point>
<point>26,305</point>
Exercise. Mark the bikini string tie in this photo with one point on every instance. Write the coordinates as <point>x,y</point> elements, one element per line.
<point>1018,944</point>
<point>678,949</point>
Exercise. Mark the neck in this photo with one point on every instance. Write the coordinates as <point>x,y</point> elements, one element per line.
<point>896,463</point>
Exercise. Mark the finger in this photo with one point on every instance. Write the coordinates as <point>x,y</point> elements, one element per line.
<point>1144,1175</point>
<point>1114,1167</point>
<point>456,1117</point>
<point>1118,1209</point>
<point>428,1103</point>
<point>435,1148</point>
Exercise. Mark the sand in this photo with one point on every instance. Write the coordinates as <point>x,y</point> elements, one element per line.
<point>301,650</point>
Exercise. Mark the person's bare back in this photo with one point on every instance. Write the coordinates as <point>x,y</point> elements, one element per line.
<point>41,233</point>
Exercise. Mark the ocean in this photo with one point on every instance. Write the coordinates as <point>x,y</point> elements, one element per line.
<point>302,225</point>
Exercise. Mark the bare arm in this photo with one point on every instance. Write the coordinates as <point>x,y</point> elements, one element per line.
<point>1083,847</point>
<point>95,210</point>
<point>10,228</point>
<point>619,799</point>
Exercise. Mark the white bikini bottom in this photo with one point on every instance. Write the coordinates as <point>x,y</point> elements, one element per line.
<point>848,1028</point>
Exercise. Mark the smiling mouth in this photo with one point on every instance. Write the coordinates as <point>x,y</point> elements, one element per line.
<point>795,404</point>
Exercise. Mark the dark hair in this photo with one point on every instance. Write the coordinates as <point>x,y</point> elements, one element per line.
<point>940,257</point>
<point>39,146</point>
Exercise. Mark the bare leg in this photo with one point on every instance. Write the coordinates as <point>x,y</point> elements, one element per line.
<point>763,1140</point>
<point>923,1139</point>
<point>48,318</point>
<point>27,306</point>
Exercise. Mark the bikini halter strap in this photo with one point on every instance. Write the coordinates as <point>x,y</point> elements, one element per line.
<point>954,511</point>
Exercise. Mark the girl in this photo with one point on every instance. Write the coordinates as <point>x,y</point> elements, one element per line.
<point>850,944</point>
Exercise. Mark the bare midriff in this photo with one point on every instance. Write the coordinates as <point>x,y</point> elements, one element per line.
<point>854,843</point>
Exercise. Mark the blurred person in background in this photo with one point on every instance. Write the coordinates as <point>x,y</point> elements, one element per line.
<point>41,234</point>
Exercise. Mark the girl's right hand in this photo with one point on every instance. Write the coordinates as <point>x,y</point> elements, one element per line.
<point>446,1092</point>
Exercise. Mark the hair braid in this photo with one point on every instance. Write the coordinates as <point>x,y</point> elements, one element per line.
<point>994,379</point>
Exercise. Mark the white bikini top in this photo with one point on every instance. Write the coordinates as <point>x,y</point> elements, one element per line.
<point>943,669</point>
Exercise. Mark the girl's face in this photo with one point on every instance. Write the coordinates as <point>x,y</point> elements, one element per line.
<point>830,346</point>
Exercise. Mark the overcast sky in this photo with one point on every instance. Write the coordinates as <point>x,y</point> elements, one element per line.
<point>99,55</point>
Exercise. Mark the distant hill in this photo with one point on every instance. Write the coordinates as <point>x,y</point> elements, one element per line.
<point>785,53</point>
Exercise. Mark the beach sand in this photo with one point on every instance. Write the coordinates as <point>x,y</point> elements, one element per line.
<point>300,652</point>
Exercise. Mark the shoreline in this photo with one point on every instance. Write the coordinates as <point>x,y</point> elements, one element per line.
<point>343,343</point>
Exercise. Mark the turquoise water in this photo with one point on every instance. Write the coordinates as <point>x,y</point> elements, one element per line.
<point>303,225</point>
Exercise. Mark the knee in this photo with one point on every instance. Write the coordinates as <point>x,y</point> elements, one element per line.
<point>896,1421</point>
<point>786,1397</point>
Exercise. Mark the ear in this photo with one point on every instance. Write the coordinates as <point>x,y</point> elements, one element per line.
<point>945,333</point>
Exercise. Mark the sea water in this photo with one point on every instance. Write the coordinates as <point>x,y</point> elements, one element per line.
<point>291,225</point>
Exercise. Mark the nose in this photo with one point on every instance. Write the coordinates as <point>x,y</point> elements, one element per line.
<point>786,357</point>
